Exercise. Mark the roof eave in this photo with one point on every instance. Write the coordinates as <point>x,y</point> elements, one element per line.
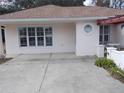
<point>51,19</point>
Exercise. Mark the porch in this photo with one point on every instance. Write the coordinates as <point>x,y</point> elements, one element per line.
<point>115,40</point>
<point>112,31</point>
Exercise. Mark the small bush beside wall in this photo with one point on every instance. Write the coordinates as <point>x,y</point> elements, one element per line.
<point>111,67</point>
<point>105,63</point>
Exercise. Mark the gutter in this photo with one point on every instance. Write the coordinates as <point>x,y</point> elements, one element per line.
<point>50,19</point>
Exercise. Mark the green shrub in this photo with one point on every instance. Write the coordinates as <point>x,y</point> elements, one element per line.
<point>113,70</point>
<point>116,70</point>
<point>105,63</point>
<point>98,62</point>
<point>111,67</point>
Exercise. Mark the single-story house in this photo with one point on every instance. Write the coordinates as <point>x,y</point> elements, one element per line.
<point>56,29</point>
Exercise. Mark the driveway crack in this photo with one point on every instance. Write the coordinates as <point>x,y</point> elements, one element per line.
<point>45,72</point>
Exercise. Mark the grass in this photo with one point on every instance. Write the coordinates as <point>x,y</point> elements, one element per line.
<point>111,67</point>
<point>2,61</point>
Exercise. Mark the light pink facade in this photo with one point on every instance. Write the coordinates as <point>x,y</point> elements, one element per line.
<point>63,39</point>
<point>68,36</point>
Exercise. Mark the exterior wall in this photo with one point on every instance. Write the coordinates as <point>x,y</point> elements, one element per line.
<point>87,43</point>
<point>120,35</point>
<point>63,40</point>
<point>116,56</point>
<point>114,34</point>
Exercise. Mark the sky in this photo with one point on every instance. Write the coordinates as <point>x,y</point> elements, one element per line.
<point>5,2</point>
<point>90,2</point>
<point>87,2</point>
<point>2,2</point>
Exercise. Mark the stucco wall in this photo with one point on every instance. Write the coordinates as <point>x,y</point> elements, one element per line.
<point>120,35</point>
<point>63,40</point>
<point>116,56</point>
<point>87,43</point>
<point>114,34</point>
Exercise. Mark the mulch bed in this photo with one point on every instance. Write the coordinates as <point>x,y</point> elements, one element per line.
<point>2,61</point>
<point>116,76</point>
<point>120,78</point>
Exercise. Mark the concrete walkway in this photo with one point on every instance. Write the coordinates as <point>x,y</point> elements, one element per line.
<point>55,73</point>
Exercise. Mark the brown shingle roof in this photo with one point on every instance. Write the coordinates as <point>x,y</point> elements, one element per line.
<point>52,11</point>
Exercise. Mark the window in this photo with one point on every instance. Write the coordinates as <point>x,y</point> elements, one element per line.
<point>48,36</point>
<point>23,37</point>
<point>35,36</point>
<point>104,37</point>
<point>88,28</point>
<point>31,35</point>
<point>40,36</point>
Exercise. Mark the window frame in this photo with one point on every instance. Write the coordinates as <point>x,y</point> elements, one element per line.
<point>104,34</point>
<point>45,36</point>
<point>31,37</point>
<point>19,37</point>
<point>36,36</point>
<point>39,37</point>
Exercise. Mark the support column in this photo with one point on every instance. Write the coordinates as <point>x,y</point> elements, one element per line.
<point>100,51</point>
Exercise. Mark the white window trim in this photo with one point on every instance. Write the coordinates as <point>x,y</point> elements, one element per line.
<point>103,35</point>
<point>31,36</point>
<point>44,26</point>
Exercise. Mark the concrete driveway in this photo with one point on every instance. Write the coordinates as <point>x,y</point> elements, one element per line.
<point>55,73</point>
